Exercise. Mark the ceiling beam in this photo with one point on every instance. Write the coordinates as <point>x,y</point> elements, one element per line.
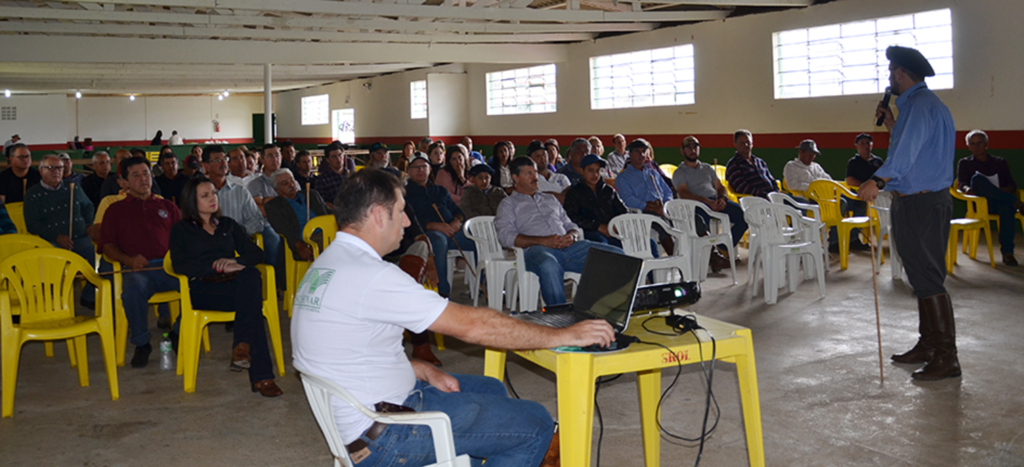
<point>736,3</point>
<point>285,34</point>
<point>351,8</point>
<point>307,22</point>
<point>76,49</point>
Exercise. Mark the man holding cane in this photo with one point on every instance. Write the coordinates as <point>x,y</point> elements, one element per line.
<point>918,173</point>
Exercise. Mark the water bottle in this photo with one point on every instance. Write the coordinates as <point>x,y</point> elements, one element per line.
<point>166,353</point>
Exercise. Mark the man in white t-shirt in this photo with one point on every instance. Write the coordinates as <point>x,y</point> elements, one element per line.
<point>800,172</point>
<point>350,312</point>
<point>547,181</point>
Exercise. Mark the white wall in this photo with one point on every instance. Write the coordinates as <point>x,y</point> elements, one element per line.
<point>40,119</point>
<point>734,82</point>
<point>119,119</point>
<point>448,109</point>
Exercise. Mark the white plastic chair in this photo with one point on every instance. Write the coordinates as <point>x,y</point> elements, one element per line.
<point>490,257</point>
<point>320,392</point>
<point>883,205</point>
<point>529,284</point>
<point>782,198</point>
<point>778,230</point>
<point>753,248</point>
<point>453,256</point>
<point>634,231</point>
<point>683,215</point>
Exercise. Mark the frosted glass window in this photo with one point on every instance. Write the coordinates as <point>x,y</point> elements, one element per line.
<point>849,58</point>
<point>315,110</point>
<point>522,91</point>
<point>418,98</point>
<point>647,78</point>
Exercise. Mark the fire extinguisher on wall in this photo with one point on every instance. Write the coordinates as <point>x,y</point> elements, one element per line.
<point>216,126</point>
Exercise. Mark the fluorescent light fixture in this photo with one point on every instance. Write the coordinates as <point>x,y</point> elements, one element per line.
<point>226,94</point>
<point>131,97</point>
<point>7,93</point>
<point>220,97</point>
<point>78,94</point>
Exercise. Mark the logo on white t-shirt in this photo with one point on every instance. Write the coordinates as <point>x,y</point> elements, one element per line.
<point>311,290</point>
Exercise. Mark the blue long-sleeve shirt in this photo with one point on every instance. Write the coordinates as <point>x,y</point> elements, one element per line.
<point>637,187</point>
<point>921,145</point>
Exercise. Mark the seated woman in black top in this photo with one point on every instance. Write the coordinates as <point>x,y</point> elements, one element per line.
<point>203,247</point>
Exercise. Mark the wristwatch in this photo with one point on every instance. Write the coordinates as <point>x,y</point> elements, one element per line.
<point>879,182</point>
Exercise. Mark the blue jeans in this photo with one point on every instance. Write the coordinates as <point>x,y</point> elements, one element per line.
<point>441,243</point>
<point>550,264</point>
<point>136,289</point>
<point>735,213</point>
<point>999,202</point>
<point>273,254</point>
<point>486,424</point>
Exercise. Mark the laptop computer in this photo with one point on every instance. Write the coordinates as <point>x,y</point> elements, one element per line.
<point>607,290</point>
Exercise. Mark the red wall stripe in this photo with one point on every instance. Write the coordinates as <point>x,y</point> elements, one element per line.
<point>133,143</point>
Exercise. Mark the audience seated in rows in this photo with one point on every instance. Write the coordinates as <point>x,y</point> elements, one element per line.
<point>988,176</point>
<point>287,149</point>
<point>502,175</point>
<point>452,175</point>
<point>579,148</point>
<point>536,222</point>
<point>618,158</point>
<point>171,181</point>
<point>93,183</point>
<point>70,176</point>
<point>238,170</point>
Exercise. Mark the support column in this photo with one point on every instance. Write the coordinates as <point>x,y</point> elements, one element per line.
<point>268,107</point>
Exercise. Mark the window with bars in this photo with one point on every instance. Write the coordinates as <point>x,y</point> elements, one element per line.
<point>849,58</point>
<point>418,99</point>
<point>646,78</point>
<point>522,91</point>
<point>8,113</point>
<point>315,110</point>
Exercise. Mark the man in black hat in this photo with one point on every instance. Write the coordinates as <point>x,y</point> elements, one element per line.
<point>918,173</point>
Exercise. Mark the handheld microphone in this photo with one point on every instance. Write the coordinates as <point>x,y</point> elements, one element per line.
<point>885,103</point>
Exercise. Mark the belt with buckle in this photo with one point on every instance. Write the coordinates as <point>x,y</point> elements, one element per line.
<point>377,428</point>
<point>903,195</point>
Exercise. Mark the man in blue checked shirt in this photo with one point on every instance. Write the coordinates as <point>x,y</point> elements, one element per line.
<point>918,173</point>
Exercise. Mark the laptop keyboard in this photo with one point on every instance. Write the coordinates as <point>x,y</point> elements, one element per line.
<point>558,320</point>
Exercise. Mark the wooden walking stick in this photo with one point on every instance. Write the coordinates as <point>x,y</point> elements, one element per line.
<point>307,201</point>
<point>24,187</point>
<point>874,283</point>
<point>461,253</point>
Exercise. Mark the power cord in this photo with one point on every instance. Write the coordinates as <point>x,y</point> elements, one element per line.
<point>682,324</point>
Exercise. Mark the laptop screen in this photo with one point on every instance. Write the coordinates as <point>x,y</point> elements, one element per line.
<point>607,286</point>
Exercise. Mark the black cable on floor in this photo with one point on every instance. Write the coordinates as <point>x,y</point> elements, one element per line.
<point>508,381</point>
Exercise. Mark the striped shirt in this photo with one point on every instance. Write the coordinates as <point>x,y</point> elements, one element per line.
<point>237,203</point>
<point>749,178</point>
<point>539,215</point>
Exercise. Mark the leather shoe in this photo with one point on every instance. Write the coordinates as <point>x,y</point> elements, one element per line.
<point>240,359</point>
<point>141,357</point>
<point>717,261</point>
<point>267,388</point>
<point>1009,260</point>
<point>423,352</point>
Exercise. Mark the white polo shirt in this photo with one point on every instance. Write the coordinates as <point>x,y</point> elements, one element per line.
<point>556,184</point>
<point>349,315</point>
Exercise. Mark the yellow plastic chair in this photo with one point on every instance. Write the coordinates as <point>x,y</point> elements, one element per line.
<point>42,281</point>
<point>15,243</point>
<point>171,297</point>
<point>827,194</point>
<point>327,224</point>
<point>972,226</point>
<point>16,211</point>
<point>786,188</point>
<point>669,169</point>
<point>194,322</point>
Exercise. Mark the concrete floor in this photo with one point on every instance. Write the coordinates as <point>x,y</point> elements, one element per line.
<point>817,360</point>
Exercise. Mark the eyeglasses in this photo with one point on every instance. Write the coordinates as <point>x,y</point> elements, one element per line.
<point>217,160</point>
<point>52,167</point>
<point>418,167</point>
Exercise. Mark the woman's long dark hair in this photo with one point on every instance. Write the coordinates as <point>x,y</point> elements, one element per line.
<point>189,202</point>
<point>460,179</point>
